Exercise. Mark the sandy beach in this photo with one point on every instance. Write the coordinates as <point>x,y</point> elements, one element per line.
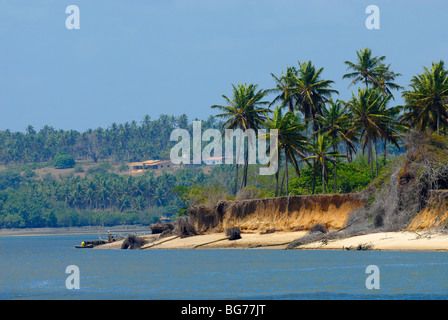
<point>408,241</point>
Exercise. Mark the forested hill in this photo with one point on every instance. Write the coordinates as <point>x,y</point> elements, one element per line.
<point>132,141</point>
<point>97,188</point>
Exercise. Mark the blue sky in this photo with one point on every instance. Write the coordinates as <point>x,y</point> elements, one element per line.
<point>132,58</point>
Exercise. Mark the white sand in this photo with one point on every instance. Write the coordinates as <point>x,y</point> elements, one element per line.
<point>410,241</point>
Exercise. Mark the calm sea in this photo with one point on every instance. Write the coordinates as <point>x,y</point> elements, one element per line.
<point>34,268</point>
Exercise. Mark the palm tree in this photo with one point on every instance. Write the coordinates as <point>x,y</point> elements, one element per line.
<point>310,91</point>
<point>335,122</point>
<point>321,154</point>
<point>124,203</point>
<point>285,89</point>
<point>385,78</point>
<point>290,140</point>
<point>366,68</point>
<point>244,111</point>
<point>371,119</point>
<point>426,104</point>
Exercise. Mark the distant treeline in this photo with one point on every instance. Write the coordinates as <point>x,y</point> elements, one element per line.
<point>128,141</point>
<point>100,198</point>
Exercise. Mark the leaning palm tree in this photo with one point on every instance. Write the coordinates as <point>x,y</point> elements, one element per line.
<point>291,141</point>
<point>426,104</point>
<point>320,150</point>
<point>335,122</point>
<point>367,68</point>
<point>243,111</point>
<point>371,119</point>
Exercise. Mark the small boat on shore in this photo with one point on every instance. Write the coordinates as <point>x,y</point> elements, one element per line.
<point>90,244</point>
<point>85,246</point>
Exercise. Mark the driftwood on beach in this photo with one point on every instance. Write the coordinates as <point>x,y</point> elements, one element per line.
<point>233,233</point>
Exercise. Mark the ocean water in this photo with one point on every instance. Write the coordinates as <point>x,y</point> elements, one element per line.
<point>34,268</point>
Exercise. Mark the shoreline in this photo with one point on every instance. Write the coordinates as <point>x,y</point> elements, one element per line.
<point>62,231</point>
<point>382,241</point>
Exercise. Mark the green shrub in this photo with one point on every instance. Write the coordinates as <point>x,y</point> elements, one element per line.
<point>64,161</point>
<point>28,173</point>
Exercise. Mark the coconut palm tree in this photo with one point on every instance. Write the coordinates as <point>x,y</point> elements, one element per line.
<point>320,150</point>
<point>426,104</point>
<point>311,92</point>
<point>367,68</point>
<point>385,80</point>
<point>371,119</point>
<point>284,89</point>
<point>243,111</point>
<point>291,141</point>
<point>335,122</point>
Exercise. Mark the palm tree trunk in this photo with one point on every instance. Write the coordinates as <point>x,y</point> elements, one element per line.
<point>376,158</point>
<point>246,165</point>
<point>237,160</point>
<point>370,159</point>
<point>323,175</point>
<point>314,176</point>
<point>283,180</point>
<point>287,175</point>
<point>335,177</point>
<point>277,175</point>
<point>276,183</point>
<point>385,151</point>
<point>335,172</point>
<point>236,180</point>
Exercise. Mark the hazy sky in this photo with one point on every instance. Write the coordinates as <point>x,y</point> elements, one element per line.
<point>131,58</point>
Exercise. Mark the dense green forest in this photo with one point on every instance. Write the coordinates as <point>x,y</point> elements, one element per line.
<point>120,142</point>
<point>325,145</point>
